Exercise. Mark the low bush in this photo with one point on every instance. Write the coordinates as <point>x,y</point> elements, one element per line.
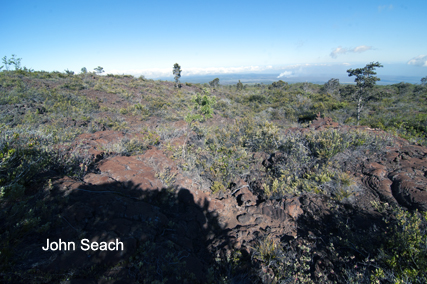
<point>403,254</point>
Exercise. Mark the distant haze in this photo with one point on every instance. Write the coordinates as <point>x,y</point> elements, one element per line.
<point>316,73</point>
<point>269,78</point>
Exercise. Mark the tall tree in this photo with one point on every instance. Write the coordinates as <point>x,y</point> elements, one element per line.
<point>365,81</point>
<point>332,86</point>
<point>15,61</point>
<point>214,83</point>
<point>69,72</point>
<point>424,81</point>
<point>239,86</point>
<point>99,70</point>
<point>6,63</point>
<point>177,73</point>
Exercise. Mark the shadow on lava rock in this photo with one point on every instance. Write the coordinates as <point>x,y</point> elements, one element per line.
<point>342,239</point>
<point>115,233</point>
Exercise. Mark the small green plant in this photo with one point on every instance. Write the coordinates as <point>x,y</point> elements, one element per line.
<point>199,111</point>
<point>405,251</point>
<point>326,144</point>
<point>272,257</point>
<point>279,264</point>
<point>381,207</point>
<point>344,186</point>
<point>217,187</point>
<point>167,177</point>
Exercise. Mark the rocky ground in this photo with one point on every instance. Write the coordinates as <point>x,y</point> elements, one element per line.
<point>174,227</point>
<point>170,225</point>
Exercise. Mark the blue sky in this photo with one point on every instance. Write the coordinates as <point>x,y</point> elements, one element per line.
<point>289,38</point>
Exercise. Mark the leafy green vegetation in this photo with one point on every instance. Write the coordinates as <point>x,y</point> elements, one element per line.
<point>404,254</point>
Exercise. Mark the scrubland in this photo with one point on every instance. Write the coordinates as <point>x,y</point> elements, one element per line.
<point>259,136</point>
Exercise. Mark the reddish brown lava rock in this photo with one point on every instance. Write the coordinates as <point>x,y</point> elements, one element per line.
<point>131,171</point>
<point>410,190</point>
<point>92,178</point>
<point>293,207</point>
<point>375,169</point>
<point>322,123</point>
<point>407,177</point>
<point>109,204</point>
<point>376,178</point>
<point>244,196</point>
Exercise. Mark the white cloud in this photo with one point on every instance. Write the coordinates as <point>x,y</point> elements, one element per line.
<point>285,74</point>
<point>167,72</point>
<point>222,70</point>
<point>420,60</point>
<point>151,73</point>
<point>297,70</point>
<point>338,50</point>
<point>361,48</point>
<point>300,66</point>
<point>385,7</point>
<point>357,49</point>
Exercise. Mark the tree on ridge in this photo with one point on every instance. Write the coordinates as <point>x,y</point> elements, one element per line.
<point>365,81</point>
<point>177,73</point>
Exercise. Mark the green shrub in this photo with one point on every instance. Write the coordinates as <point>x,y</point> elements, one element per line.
<point>21,158</point>
<point>277,264</point>
<point>404,252</point>
<point>326,144</point>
